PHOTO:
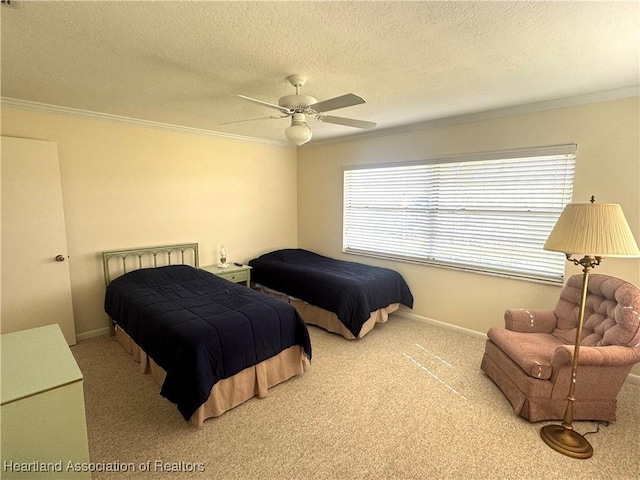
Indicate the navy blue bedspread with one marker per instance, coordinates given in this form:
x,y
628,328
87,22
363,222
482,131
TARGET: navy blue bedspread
x,y
200,328
350,290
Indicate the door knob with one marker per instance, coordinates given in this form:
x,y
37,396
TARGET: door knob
x,y
59,258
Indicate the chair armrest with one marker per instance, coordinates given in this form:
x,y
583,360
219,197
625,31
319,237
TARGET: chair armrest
x,y
611,355
530,321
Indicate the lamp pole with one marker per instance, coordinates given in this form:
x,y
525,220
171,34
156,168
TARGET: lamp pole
x,y
563,438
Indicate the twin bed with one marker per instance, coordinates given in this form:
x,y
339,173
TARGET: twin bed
x,y
346,298
213,344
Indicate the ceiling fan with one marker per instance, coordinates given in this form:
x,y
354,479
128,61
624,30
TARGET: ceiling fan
x,y
299,107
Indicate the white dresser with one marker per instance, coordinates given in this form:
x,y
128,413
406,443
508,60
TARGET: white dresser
x,y
43,424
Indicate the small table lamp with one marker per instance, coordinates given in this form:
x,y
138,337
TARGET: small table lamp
x,y
594,231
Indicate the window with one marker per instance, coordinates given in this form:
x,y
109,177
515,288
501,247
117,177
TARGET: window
x,y
490,212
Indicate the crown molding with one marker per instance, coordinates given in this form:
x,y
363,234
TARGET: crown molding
x,y
76,112
594,97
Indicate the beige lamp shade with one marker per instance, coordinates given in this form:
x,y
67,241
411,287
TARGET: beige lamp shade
x,y
594,229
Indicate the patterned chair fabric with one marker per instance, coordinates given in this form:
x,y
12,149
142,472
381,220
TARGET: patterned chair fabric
x,y
530,359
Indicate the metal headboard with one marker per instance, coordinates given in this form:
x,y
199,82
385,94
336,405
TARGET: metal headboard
x,y
119,262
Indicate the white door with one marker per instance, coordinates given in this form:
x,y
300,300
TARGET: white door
x,y
36,286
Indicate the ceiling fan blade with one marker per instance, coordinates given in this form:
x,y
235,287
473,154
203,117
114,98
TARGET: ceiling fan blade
x,y
342,101
266,104
349,122
253,119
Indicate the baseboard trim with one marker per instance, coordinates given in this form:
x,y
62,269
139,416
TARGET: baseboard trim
x,y
93,333
631,378
437,323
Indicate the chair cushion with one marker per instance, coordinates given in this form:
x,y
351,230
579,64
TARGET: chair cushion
x,y
612,312
531,351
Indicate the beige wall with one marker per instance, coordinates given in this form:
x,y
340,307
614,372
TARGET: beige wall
x,y
131,186
607,166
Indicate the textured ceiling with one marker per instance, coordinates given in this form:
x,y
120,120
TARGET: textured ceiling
x,y
180,62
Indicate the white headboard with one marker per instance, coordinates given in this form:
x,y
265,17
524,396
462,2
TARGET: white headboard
x,y
119,262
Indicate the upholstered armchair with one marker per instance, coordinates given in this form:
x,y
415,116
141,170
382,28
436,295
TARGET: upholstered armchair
x,y
530,359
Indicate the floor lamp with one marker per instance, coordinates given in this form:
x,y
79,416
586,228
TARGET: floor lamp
x,y
593,231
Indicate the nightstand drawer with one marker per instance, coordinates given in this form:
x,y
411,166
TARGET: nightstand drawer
x,y
236,277
233,273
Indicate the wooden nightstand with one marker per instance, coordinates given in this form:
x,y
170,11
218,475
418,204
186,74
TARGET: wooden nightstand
x,y
233,273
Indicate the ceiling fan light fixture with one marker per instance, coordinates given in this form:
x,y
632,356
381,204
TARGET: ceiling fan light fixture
x,y
299,107
299,132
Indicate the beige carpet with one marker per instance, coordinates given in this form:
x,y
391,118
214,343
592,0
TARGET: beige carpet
x,y
408,401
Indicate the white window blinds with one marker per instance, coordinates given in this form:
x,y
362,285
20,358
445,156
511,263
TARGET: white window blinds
x,y
490,212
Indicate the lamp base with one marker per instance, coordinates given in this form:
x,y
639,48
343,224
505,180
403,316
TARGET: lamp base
x,y
566,441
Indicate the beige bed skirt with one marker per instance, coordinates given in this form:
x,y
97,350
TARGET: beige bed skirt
x,y
229,392
320,317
